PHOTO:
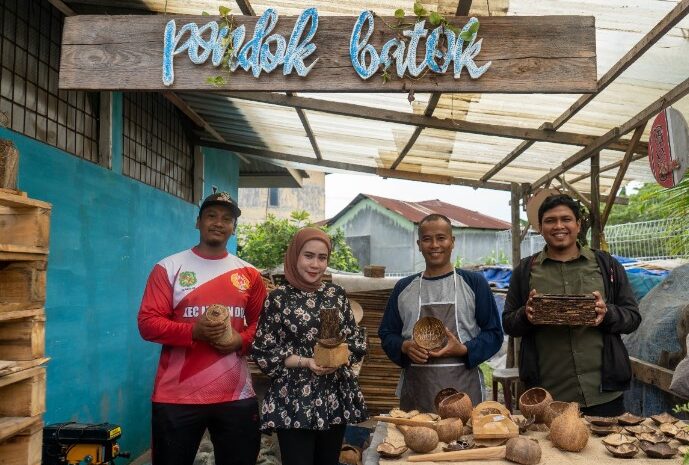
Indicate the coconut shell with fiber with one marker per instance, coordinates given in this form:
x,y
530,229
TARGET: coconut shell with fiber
x,y
523,450
568,432
443,393
429,333
533,403
554,410
456,406
449,429
421,439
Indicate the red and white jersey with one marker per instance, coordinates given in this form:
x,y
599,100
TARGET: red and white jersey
x,y
178,291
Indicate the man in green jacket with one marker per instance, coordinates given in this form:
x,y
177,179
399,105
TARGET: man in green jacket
x,y
585,364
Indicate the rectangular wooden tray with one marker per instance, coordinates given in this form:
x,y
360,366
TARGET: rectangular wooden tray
x,y
568,310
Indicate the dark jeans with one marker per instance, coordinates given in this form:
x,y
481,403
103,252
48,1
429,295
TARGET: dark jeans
x,y
609,409
311,447
177,430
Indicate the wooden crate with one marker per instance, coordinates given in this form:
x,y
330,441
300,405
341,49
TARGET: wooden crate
x,y
22,286
22,339
24,227
24,448
22,394
9,163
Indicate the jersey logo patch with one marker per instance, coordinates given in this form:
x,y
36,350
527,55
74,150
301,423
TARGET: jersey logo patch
x,y
187,278
240,282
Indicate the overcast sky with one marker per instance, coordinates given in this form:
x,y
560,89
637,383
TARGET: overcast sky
x,y
340,189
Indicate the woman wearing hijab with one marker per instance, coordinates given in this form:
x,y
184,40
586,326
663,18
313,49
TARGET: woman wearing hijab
x,y
308,405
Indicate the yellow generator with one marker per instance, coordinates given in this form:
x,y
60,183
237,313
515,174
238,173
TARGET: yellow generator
x,y
81,444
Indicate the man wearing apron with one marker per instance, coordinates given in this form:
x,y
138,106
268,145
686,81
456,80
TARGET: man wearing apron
x,y
462,300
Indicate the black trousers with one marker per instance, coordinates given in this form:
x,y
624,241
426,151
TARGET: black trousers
x,y
609,409
177,430
311,447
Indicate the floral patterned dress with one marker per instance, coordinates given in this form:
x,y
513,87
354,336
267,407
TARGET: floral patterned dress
x,y
297,398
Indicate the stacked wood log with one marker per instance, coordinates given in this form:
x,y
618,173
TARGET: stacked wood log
x,y
379,376
24,232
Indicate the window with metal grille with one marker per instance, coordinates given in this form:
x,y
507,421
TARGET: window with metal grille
x,y
30,103
157,149
274,197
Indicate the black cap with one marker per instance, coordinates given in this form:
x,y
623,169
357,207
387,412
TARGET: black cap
x,y
221,198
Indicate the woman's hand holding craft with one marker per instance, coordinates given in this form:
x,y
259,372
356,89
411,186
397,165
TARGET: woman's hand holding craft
x,y
317,369
415,353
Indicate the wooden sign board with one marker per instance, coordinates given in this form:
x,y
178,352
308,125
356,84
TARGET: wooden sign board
x,y
668,147
543,54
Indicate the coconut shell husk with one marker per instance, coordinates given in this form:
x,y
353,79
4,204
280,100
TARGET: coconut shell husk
x,y
522,450
664,418
568,432
421,439
605,430
623,451
442,394
601,421
390,451
449,429
219,313
554,410
639,429
661,450
533,403
524,423
628,419
617,439
463,443
682,436
456,406
654,438
398,413
669,429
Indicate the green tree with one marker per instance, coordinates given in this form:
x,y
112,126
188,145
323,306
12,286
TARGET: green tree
x,y
264,244
644,205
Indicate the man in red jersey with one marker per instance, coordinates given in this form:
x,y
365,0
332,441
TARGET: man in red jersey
x,y
201,384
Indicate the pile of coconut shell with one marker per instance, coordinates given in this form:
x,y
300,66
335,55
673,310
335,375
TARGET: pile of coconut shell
x,y
660,436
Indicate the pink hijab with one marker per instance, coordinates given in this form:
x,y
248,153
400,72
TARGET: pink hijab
x,y
303,236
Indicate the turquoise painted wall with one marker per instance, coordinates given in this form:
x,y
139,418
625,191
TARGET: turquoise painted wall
x,y
221,169
107,232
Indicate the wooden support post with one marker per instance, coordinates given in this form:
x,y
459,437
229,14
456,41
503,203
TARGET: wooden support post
x,y
105,131
516,236
198,175
621,172
595,202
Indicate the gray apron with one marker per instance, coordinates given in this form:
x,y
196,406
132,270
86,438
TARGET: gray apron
x,y
421,382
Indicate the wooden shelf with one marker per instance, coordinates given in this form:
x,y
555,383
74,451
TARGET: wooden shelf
x,y
11,199
18,314
9,426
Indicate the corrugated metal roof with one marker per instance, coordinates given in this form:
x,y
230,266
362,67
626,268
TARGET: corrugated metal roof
x,y
415,211
620,24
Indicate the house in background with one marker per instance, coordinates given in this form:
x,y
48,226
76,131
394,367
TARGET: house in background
x,y
282,199
383,231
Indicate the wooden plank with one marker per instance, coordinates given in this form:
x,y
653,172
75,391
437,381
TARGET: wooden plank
x,y
195,117
22,394
22,286
9,426
391,116
654,35
430,108
624,164
246,8
62,7
602,142
23,365
6,315
463,7
11,198
22,449
10,253
611,166
105,131
22,339
9,163
654,375
596,227
309,131
545,54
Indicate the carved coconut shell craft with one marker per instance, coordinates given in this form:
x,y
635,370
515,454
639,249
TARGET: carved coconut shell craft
x,y
398,413
664,418
624,451
661,450
568,432
524,423
443,393
533,403
601,421
421,439
627,419
449,429
429,333
639,429
617,439
389,451
329,335
463,443
605,430
456,406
